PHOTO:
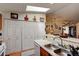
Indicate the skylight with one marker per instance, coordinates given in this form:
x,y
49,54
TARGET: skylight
x,y
36,9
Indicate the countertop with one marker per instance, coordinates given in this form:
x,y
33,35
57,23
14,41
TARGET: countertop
x,y
41,43
73,40
70,39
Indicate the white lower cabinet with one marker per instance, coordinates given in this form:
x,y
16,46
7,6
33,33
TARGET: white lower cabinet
x,y
37,49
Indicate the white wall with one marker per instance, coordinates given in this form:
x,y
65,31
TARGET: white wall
x,y
31,16
22,15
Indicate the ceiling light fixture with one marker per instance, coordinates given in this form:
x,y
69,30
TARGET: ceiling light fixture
x,y
36,9
51,3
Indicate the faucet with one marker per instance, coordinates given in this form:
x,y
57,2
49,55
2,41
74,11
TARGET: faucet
x,y
61,41
61,44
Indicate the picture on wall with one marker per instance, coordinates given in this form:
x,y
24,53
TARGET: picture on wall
x,y
14,15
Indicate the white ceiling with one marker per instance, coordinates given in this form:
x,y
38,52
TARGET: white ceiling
x,y
71,11
21,7
63,9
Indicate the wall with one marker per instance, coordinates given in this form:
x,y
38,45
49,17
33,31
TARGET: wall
x,y
31,16
51,19
77,29
60,21
22,15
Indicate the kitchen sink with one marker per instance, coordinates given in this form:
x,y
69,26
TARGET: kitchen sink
x,y
51,46
60,52
58,49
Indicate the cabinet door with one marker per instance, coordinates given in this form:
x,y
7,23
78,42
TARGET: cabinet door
x,y
18,35
30,32
12,36
41,30
43,52
27,35
5,34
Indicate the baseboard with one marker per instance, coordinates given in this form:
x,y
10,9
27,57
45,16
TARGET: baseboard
x,y
18,53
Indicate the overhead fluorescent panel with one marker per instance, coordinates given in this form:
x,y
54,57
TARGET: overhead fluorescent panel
x,y
36,9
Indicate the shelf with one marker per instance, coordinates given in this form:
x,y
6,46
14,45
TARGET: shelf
x,y
20,20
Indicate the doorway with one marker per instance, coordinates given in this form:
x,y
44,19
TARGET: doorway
x,y
72,31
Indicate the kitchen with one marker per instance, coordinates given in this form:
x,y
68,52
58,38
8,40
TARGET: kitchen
x,y
26,31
